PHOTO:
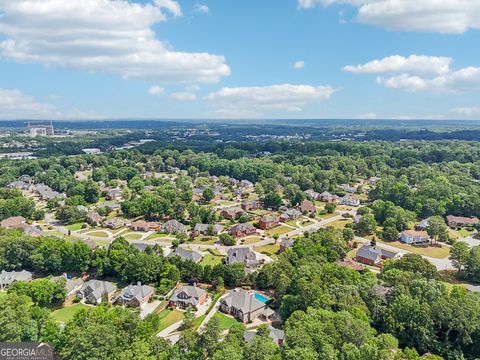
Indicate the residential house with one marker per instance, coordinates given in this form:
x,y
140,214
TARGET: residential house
x,y
7,278
329,198
276,335
205,229
173,227
188,296
93,218
290,214
111,205
249,205
373,255
349,189
93,291
268,222
240,193
311,194
19,185
46,193
71,285
422,225
136,295
350,200
286,244
243,255
246,184
232,213
246,306
460,221
113,194
114,223
414,237
241,230
140,225
186,254
351,264
307,207
14,222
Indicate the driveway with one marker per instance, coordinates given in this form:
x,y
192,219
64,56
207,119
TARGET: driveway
x,y
149,308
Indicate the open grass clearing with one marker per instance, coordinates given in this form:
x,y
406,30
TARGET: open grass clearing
x,y
339,224
251,240
75,227
169,317
431,251
205,240
225,322
267,249
98,234
280,230
132,236
66,314
211,260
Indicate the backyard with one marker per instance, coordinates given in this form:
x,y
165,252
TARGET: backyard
x,y
169,317
66,314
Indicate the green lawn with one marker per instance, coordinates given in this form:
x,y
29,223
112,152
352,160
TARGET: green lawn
x,y
225,322
211,260
268,249
463,232
280,230
327,216
292,223
206,240
132,236
157,236
197,322
169,317
98,234
75,227
251,240
66,314
432,251
339,224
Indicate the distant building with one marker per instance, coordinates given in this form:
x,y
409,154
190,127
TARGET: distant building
x,y
286,244
186,255
373,255
35,130
245,306
232,213
459,221
244,229
290,214
350,200
249,205
414,237
173,227
307,207
276,335
7,278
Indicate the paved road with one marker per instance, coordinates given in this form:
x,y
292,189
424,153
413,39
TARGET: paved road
x,y
167,331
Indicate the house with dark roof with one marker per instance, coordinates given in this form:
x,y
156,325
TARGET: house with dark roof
x,y
7,278
186,254
204,229
173,227
290,214
267,222
188,296
307,207
246,306
329,198
460,221
249,205
46,193
136,295
277,335
93,291
373,255
243,255
241,230
232,213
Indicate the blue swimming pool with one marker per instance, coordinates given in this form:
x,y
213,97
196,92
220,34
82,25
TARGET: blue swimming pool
x,y
261,298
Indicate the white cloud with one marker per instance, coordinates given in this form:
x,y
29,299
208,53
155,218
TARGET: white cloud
x,y
299,64
367,116
184,96
156,90
256,99
419,72
202,8
416,64
192,88
443,16
467,112
101,35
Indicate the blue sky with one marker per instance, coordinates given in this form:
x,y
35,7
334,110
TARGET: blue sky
x,y
88,59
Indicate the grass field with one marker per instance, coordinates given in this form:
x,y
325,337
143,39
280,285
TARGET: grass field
x,y
339,224
66,314
280,230
204,240
197,322
463,232
159,236
432,251
211,260
225,322
327,216
98,234
75,227
132,236
268,249
169,317
292,223
251,240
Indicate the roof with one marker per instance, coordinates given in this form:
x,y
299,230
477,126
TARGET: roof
x,y
13,221
243,300
172,226
193,293
287,243
202,228
233,211
373,252
186,254
70,284
351,264
307,205
8,277
269,218
243,255
140,224
244,227
276,335
98,288
462,219
422,234
138,292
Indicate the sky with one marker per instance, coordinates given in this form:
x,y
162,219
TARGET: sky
x,y
227,59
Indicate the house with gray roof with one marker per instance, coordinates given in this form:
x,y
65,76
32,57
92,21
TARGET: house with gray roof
x,y
93,291
136,295
9,277
286,244
276,335
188,296
290,214
245,306
373,255
71,285
202,229
186,254
46,192
173,227
243,255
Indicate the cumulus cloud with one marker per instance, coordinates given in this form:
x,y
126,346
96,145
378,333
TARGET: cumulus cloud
x,y
417,64
102,35
467,112
184,96
416,73
443,16
156,90
263,98
202,8
299,64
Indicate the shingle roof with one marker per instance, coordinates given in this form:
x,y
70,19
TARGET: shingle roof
x,y
193,293
243,300
186,254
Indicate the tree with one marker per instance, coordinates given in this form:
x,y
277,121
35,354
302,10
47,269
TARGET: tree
x,y
459,254
348,234
367,224
436,227
330,208
208,195
227,239
413,263
272,200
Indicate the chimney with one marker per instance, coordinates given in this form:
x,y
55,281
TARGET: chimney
x,y
139,283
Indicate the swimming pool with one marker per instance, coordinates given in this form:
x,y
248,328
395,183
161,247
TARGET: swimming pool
x,y
261,298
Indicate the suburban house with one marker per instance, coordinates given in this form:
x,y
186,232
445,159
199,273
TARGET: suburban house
x,y
349,200
232,213
9,277
311,194
114,223
46,193
173,227
246,306
414,237
114,194
188,296
276,335
286,244
19,185
94,290
186,254
14,222
240,230
136,295
268,222
349,189
243,255
71,285
460,221
290,214
351,264
140,225
249,205
93,218
373,180
422,225
372,255
205,229
329,198
307,207
246,184
111,205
